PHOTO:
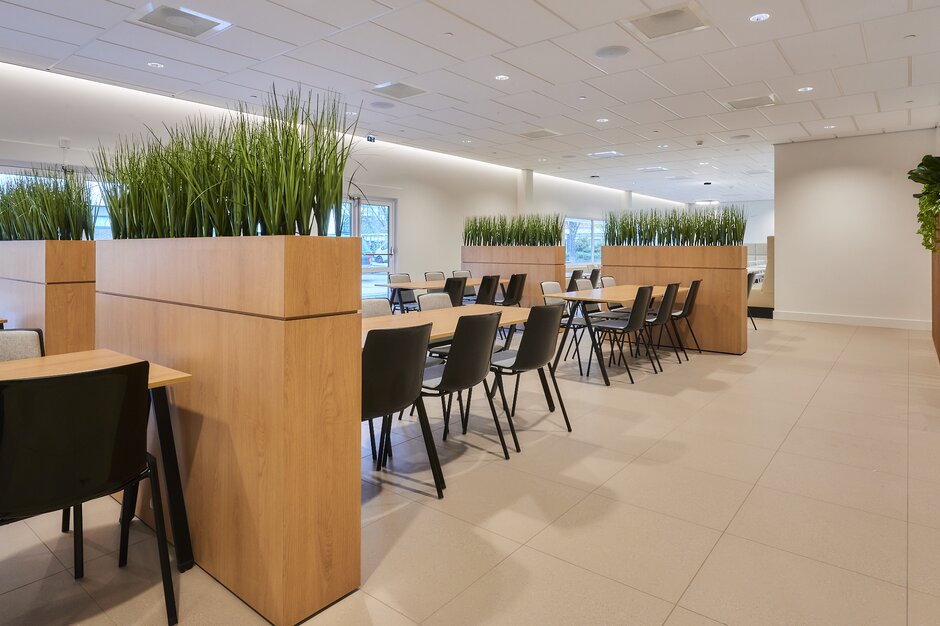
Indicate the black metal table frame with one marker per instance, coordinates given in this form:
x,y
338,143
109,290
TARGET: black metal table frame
x,y
579,305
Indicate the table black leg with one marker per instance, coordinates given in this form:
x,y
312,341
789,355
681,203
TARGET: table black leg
x,y
564,337
594,343
179,522
401,301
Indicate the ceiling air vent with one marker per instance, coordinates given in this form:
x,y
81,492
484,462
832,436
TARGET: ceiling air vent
x,y
541,133
753,103
672,21
757,172
606,154
399,91
653,168
182,22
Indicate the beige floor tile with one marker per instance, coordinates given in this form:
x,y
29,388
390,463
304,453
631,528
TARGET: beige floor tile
x,y
848,449
417,559
923,503
859,424
359,609
747,583
534,588
924,450
750,421
708,454
884,494
777,388
685,617
134,594
646,550
924,555
379,501
863,397
398,435
56,600
922,609
633,432
670,488
565,460
496,497
101,531
23,557
857,540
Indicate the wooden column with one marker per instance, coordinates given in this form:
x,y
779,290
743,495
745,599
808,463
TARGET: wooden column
x,y
720,318
268,431
50,285
539,263
936,302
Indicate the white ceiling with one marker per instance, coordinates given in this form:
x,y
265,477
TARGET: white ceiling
x,y
874,66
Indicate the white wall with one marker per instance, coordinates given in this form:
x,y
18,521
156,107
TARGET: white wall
x,y
760,219
643,202
572,198
846,246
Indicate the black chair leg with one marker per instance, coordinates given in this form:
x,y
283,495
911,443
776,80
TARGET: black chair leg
x,y
447,408
77,541
515,396
433,459
66,513
548,395
382,459
751,317
128,508
388,439
465,418
160,528
499,429
675,346
652,346
561,403
512,426
692,332
675,330
372,438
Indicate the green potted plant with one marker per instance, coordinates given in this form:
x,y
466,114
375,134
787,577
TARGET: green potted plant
x,y
928,200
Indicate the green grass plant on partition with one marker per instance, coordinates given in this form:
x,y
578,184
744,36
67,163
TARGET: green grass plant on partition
x,y
720,226
518,230
46,204
280,173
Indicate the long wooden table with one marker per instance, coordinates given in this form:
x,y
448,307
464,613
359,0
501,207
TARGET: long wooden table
x,y
159,379
444,321
623,294
398,288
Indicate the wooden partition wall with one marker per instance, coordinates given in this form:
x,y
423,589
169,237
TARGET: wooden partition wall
x,y
936,302
50,285
268,430
539,263
720,318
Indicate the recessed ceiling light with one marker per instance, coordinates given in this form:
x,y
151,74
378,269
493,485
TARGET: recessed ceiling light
x,y
448,34
582,97
663,145
704,163
760,17
500,77
910,36
602,120
543,160
155,65
829,127
740,137
805,89
611,52
352,113
467,141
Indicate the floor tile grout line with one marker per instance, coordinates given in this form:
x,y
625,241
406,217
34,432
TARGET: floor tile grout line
x,y
907,527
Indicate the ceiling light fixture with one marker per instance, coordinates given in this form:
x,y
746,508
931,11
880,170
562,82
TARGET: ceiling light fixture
x,y
805,89
467,141
912,36
500,77
760,17
704,163
155,65
829,127
352,113
582,97
706,202
602,120
611,52
663,145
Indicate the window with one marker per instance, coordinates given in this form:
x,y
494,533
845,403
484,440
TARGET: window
x,y
583,240
373,220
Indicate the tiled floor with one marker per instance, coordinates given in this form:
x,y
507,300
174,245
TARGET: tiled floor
x,y
798,484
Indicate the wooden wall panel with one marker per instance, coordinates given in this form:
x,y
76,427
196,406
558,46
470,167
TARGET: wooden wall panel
x,y
267,435
720,318
936,302
539,263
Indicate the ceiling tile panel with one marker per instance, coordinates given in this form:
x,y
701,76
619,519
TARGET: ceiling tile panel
x,y
689,45
444,31
459,118
568,126
485,70
890,37
740,92
170,46
50,49
891,120
787,113
835,126
654,131
736,120
593,119
925,117
428,125
820,84
498,113
925,69
873,76
787,17
596,12
783,132
686,76
692,105
339,14
644,112
550,63
450,84
123,75
825,50
264,82
135,59
534,103
265,18
249,43
695,125
579,95
587,43
289,68
45,25
909,97
832,13
381,43
858,104
632,86
339,59
519,22
100,13
750,64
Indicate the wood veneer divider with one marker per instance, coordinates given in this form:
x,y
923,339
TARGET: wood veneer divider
x,y
936,299
539,263
720,318
50,285
268,430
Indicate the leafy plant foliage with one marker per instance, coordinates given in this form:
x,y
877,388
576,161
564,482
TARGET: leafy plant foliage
x,y
928,200
518,230
689,227
278,174
46,204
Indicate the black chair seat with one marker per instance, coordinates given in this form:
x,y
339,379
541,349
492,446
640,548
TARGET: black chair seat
x,y
433,376
505,359
611,324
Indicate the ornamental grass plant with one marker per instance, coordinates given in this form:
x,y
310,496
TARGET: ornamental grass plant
x,y
722,226
46,204
518,230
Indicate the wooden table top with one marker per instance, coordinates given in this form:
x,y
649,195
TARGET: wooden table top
x,y
76,362
433,284
2,321
623,294
444,320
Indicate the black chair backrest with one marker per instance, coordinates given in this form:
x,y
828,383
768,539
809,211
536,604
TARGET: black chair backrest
x,y
537,347
69,439
583,284
689,304
638,312
515,290
486,294
595,277
468,361
393,362
454,287
751,278
665,305
573,281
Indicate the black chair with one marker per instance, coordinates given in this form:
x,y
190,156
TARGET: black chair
x,y
687,308
467,365
751,279
632,328
536,351
514,291
65,440
387,390
573,281
469,293
595,278
486,294
404,299
455,287
661,320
